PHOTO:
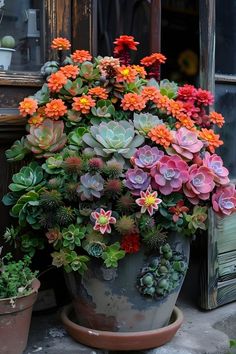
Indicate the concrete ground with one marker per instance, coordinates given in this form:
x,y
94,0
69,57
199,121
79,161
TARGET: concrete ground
x,y
198,334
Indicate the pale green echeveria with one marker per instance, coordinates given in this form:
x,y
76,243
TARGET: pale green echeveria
x,y
168,88
144,122
53,165
17,151
29,177
117,138
47,138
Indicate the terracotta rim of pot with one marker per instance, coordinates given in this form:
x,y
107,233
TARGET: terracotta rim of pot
x,y
122,340
21,302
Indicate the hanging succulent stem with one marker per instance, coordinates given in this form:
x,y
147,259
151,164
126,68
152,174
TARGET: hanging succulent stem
x,y
155,72
124,57
60,57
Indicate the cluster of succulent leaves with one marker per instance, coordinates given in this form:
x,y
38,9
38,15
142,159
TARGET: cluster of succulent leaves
x,y
163,274
15,277
55,194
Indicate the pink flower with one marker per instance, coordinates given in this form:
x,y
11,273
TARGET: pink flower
x,y
170,174
148,201
224,200
204,97
191,110
215,163
185,143
103,220
200,184
187,92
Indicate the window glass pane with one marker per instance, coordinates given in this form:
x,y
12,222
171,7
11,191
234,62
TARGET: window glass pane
x,y
21,35
226,104
225,37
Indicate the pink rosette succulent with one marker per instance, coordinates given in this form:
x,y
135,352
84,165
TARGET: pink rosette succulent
x,y
224,200
136,180
200,184
215,163
147,157
170,174
185,143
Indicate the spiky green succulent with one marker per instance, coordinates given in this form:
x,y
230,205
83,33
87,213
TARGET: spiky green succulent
x,y
126,203
47,138
154,237
144,122
50,199
113,138
125,224
65,215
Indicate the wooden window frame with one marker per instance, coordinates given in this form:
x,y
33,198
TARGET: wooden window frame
x,y
215,289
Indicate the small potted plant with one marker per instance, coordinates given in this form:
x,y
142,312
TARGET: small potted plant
x,y
122,173
18,292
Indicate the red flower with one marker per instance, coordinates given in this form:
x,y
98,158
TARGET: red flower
x,y
178,210
204,97
130,243
187,92
123,43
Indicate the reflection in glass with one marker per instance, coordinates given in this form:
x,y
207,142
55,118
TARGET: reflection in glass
x,y
21,22
225,37
226,104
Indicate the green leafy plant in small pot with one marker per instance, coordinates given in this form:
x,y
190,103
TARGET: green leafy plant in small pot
x,y
18,292
122,171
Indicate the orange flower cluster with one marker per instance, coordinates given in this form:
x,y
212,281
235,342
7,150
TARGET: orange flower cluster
x,y
126,74
28,106
99,92
132,101
185,121
174,108
140,70
83,104
213,140
155,58
79,56
60,44
55,109
161,102
70,71
36,120
56,81
150,93
217,118
125,42
161,135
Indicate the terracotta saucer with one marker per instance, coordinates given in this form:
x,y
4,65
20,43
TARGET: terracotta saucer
x,y
122,340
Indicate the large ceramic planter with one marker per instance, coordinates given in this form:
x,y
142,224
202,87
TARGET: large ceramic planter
x,y
114,300
15,317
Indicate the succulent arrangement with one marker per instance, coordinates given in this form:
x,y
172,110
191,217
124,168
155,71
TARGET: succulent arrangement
x,y
118,159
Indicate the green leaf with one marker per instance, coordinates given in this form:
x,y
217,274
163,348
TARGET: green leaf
x,y
112,255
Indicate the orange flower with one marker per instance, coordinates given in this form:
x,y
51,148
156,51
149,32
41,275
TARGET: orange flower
x,y
60,44
150,93
155,58
124,42
174,108
36,120
99,92
213,140
83,104
70,71
185,121
55,109
28,106
217,119
132,101
161,102
140,70
56,81
161,135
79,56
126,73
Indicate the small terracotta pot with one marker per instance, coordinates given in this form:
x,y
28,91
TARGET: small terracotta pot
x,y
122,340
15,321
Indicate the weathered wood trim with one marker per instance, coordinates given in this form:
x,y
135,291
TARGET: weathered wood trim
x,y
7,119
20,79
220,78
155,32
207,44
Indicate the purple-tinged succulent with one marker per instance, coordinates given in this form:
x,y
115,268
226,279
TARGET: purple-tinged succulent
x,y
147,157
215,163
199,185
169,174
137,180
91,186
185,143
224,200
